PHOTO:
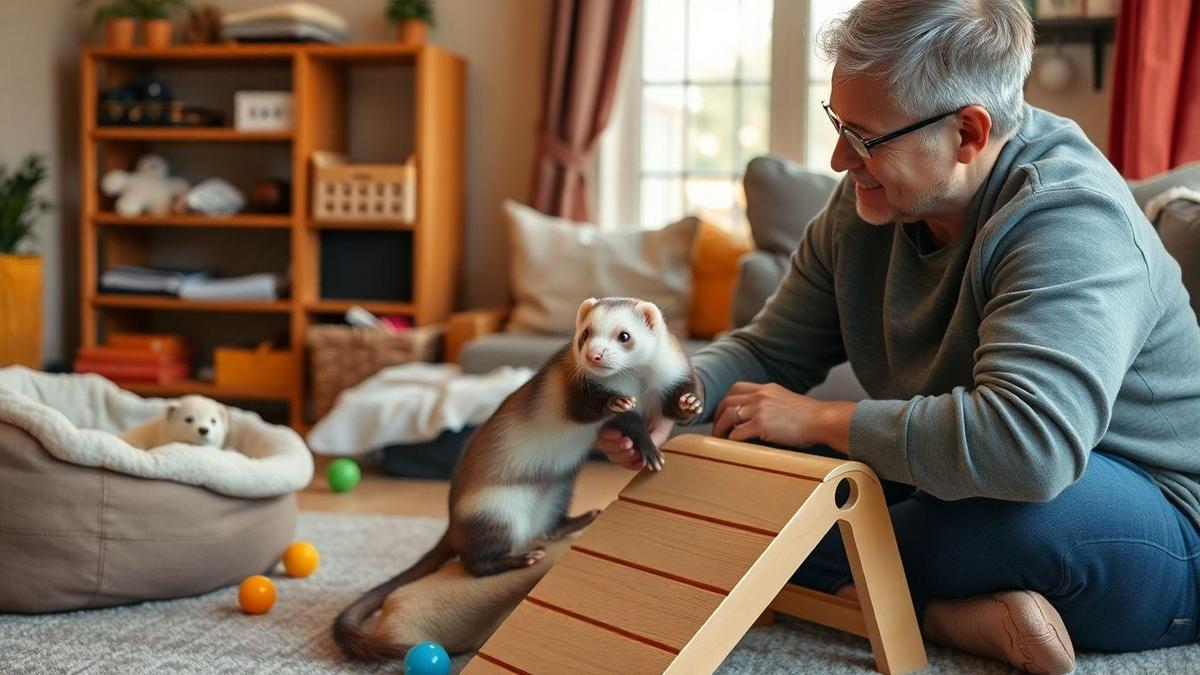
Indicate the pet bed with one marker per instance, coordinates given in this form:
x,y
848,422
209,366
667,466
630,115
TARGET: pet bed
x,y
88,521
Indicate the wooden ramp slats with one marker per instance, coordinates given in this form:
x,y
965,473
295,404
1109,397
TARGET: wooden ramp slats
x,y
753,498
481,666
637,602
535,639
672,574
713,556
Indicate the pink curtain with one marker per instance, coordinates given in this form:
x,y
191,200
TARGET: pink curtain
x,y
1155,122
583,59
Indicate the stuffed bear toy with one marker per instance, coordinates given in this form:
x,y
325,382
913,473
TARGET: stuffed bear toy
x,y
192,419
148,189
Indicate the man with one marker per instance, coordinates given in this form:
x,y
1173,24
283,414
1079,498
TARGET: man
x,y
1027,343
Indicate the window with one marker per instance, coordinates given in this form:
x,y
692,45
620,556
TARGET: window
x,y
704,89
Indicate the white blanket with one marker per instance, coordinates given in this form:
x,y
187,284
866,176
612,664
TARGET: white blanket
x,y
411,403
75,417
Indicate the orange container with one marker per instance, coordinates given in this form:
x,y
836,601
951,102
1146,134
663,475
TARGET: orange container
x,y
261,369
21,310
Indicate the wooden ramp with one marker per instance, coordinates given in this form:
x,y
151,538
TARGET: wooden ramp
x,y
672,574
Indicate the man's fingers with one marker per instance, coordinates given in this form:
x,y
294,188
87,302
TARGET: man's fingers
x,y
744,432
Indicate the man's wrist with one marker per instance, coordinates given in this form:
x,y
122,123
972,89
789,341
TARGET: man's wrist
x,y
833,427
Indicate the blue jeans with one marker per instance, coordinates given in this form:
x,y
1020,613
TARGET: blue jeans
x,y
1119,562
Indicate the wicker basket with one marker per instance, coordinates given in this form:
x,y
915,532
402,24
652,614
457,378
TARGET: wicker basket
x,y
342,356
367,193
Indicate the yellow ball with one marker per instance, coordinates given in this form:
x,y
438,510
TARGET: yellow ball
x,y
257,595
301,559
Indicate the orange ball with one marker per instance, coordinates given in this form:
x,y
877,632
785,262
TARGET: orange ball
x,y
257,595
301,559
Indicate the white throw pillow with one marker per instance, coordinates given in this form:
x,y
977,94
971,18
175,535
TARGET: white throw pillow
x,y
558,263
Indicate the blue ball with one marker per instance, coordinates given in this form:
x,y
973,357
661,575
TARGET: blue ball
x,y
427,658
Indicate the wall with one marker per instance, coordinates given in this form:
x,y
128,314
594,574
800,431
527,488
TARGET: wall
x,y
1080,102
502,42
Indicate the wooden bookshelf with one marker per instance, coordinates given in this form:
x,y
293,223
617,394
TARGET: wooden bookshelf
x,y
323,81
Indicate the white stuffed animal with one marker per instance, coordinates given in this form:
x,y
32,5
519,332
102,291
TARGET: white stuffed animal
x,y
192,419
148,189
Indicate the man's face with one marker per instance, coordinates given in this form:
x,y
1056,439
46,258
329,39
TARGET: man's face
x,y
906,179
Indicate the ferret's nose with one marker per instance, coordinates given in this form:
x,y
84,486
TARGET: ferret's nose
x,y
596,357
203,431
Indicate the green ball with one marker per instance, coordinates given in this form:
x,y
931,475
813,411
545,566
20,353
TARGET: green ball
x,y
343,474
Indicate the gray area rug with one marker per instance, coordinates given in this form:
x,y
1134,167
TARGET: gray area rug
x,y
209,634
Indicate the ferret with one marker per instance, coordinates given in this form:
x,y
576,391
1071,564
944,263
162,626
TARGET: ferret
x,y
191,419
514,481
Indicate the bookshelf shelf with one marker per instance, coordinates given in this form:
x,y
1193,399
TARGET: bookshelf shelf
x,y
240,220
209,389
189,135
157,302
333,86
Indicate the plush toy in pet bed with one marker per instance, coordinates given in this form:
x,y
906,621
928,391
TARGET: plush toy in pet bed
x,y
87,520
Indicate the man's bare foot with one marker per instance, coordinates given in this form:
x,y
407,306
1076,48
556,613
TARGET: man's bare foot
x,y
1020,628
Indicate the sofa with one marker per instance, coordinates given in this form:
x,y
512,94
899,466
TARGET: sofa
x,y
781,199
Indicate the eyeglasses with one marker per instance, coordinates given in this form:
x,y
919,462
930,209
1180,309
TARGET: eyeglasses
x,y
863,145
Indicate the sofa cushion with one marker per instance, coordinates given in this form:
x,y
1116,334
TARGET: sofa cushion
x,y
714,278
781,197
1184,175
558,263
486,353
1178,226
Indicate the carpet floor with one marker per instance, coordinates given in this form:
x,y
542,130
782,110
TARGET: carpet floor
x,y
209,634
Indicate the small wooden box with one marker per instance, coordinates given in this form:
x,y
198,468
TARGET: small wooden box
x,y
261,369
367,193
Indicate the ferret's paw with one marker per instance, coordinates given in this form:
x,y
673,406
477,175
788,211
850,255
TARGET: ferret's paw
x,y
690,405
654,460
621,403
533,557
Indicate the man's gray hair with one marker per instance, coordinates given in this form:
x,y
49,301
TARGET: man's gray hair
x,y
939,55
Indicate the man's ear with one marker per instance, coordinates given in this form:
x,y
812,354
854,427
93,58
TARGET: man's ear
x,y
974,132
171,408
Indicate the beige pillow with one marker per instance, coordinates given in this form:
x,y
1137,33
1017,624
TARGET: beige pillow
x,y
558,263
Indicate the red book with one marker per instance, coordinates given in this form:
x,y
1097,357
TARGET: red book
x,y
106,354
134,372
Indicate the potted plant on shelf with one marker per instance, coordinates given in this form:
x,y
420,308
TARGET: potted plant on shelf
x,y
155,25
20,275
118,18
411,18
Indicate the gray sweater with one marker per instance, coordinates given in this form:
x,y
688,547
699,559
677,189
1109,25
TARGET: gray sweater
x,y
1056,325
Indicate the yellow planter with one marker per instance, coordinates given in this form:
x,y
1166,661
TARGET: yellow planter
x,y
21,310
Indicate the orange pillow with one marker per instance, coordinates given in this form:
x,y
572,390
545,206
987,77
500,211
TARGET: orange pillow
x,y
715,257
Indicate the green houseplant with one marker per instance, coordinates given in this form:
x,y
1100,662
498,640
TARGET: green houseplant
x,y
20,275
119,20
411,18
156,26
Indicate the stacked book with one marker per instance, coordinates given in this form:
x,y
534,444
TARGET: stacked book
x,y
285,22
190,284
131,357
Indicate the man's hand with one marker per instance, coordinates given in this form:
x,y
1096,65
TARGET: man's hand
x,y
619,448
773,414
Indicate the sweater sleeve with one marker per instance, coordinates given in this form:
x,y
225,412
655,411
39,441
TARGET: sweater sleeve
x,y
795,339
1067,306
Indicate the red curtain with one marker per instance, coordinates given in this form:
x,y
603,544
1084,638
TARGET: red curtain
x,y
1155,121
583,59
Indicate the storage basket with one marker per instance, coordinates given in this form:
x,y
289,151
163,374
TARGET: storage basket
x,y
342,356
368,193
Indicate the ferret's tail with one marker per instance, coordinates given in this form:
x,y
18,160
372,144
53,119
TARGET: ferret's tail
x,y
348,631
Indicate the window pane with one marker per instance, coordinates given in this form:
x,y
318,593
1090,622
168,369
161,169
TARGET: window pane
x,y
662,127
662,40
710,128
662,202
712,199
712,39
755,132
820,13
820,137
756,39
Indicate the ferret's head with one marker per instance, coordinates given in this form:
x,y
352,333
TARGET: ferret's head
x,y
197,420
616,334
